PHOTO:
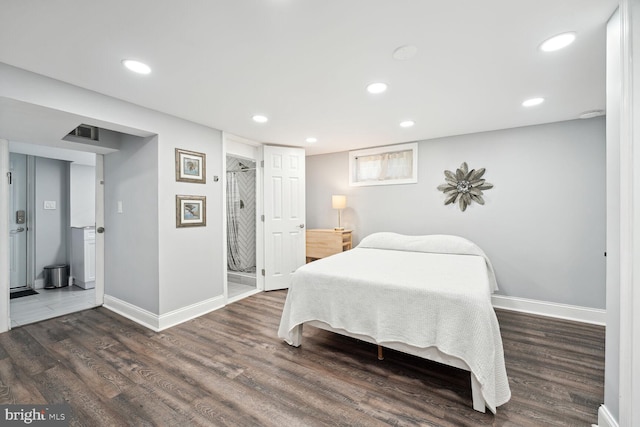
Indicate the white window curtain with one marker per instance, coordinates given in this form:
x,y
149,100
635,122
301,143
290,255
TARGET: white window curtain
x,y
385,166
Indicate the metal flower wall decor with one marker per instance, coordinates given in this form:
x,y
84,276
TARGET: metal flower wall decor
x,y
464,186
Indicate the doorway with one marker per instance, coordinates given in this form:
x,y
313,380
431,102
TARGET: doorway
x,y
241,208
243,255
49,198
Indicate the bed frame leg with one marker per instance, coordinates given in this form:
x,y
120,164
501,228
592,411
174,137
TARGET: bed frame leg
x,y
380,353
476,395
296,339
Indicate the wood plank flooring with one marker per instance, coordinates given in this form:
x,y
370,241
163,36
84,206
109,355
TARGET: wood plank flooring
x,y
228,368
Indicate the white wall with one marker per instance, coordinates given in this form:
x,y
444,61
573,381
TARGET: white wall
x,y
189,259
82,195
52,225
543,225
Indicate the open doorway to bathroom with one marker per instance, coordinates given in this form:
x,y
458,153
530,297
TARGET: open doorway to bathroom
x,y
241,205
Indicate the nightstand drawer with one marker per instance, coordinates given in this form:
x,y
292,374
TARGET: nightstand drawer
x,y
323,243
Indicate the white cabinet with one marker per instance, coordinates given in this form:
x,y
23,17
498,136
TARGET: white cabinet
x,y
83,256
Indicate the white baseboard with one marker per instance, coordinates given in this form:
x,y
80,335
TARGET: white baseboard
x,y
132,312
38,284
605,419
192,311
550,309
156,322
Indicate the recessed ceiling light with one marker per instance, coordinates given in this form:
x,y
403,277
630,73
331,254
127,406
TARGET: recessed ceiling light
x,y
558,42
377,87
136,66
532,102
407,123
258,118
591,113
311,140
405,52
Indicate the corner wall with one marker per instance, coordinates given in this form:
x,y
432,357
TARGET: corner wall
x,y
543,224
131,237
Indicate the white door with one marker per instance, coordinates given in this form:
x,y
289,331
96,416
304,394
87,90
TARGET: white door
x,y
18,221
284,211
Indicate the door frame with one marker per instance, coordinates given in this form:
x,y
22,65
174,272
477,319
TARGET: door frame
x,y
4,236
100,266
31,225
237,146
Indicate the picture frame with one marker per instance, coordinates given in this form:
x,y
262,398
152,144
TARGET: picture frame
x,y
191,166
191,211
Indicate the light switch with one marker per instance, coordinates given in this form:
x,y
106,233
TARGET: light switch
x,y
49,204
119,206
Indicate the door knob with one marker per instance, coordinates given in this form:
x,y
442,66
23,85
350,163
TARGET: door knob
x,y
100,230
301,226
17,230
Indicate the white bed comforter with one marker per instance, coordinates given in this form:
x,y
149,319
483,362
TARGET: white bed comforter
x,y
396,288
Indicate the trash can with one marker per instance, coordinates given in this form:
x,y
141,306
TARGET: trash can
x,y
56,276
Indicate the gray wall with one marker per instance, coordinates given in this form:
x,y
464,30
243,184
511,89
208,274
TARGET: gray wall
x,y
131,237
82,195
543,225
51,184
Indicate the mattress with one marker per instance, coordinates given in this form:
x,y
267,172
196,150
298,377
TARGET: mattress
x,y
418,297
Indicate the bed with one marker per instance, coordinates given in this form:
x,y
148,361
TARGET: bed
x,y
429,296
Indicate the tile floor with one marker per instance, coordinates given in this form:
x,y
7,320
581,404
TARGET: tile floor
x,y
50,303
236,291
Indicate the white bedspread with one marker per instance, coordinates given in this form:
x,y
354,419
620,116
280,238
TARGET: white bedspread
x,y
418,298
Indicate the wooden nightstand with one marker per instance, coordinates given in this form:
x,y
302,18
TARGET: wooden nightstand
x,y
322,243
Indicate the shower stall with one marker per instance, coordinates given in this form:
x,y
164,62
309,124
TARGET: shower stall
x,y
241,226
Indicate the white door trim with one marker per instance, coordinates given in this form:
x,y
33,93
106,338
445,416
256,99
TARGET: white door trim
x,y
31,221
4,237
629,357
99,288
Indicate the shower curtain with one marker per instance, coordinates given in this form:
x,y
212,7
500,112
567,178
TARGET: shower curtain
x,y
234,262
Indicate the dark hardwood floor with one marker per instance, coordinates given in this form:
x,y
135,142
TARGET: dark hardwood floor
x,y
229,368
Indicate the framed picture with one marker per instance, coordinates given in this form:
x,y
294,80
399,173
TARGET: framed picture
x,y
191,211
191,166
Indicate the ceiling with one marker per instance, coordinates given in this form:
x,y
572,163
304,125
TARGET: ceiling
x,y
305,64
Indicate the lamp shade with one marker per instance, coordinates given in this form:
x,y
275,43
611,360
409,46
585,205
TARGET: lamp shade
x,y
338,202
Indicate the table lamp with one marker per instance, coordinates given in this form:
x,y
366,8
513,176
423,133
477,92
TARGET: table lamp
x,y
339,202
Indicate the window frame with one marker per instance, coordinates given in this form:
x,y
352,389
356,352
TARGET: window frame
x,y
353,155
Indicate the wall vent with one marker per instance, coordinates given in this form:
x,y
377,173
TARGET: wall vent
x,y
86,131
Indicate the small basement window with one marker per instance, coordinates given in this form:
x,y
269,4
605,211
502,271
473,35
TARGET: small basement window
x,y
389,165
